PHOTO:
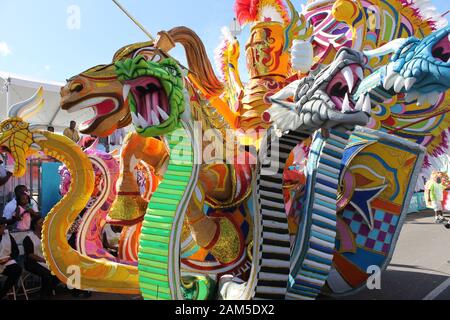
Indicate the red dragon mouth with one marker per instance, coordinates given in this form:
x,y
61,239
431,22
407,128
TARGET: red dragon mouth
x,y
441,51
101,106
343,86
152,103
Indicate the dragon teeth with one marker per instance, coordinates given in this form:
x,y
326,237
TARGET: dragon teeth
x,y
346,104
126,91
162,113
142,122
155,118
134,118
409,83
399,84
359,72
391,77
367,106
360,103
138,120
348,75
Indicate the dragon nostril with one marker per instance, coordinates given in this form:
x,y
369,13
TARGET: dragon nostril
x,y
438,53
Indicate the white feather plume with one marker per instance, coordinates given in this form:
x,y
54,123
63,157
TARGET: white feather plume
x,y
429,12
226,38
272,13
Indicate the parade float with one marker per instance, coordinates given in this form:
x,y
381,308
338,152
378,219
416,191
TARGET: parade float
x,y
287,186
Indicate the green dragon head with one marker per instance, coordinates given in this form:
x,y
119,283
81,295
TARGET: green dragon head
x,y
155,94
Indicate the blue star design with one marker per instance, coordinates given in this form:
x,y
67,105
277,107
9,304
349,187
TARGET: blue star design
x,y
361,201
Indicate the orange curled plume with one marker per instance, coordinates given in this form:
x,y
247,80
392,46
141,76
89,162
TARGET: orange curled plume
x,y
248,11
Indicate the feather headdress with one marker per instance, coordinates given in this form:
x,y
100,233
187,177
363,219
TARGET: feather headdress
x,y
249,11
425,10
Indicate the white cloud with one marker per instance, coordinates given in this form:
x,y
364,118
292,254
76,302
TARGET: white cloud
x,y
5,50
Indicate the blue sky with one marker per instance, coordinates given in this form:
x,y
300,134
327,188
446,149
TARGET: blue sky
x,y
36,40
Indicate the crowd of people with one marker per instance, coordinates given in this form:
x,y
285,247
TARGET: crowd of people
x,y
21,215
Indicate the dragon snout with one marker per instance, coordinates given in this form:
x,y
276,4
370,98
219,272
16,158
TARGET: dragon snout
x,y
351,55
73,88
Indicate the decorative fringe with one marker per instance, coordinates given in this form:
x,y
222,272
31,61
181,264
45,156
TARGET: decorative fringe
x,y
443,146
426,162
432,161
220,55
426,11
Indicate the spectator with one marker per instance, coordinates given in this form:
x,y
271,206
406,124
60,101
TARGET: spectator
x,y
12,207
4,174
436,196
8,255
51,129
72,132
111,238
34,259
24,213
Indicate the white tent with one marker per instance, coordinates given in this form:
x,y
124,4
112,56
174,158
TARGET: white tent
x,y
16,88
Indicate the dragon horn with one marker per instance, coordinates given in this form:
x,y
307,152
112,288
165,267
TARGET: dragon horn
x,y
388,48
297,24
28,107
27,114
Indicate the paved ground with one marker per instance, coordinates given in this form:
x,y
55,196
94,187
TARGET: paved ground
x,y
419,268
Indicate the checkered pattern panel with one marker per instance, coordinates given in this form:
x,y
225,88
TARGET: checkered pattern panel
x,y
380,238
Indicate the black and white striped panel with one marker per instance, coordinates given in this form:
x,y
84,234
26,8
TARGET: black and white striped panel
x,y
313,252
275,248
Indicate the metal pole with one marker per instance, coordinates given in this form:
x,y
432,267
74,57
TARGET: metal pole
x,y
134,20
147,33
8,81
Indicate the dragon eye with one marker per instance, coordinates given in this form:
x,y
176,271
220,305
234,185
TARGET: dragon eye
x,y
156,58
7,127
172,71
